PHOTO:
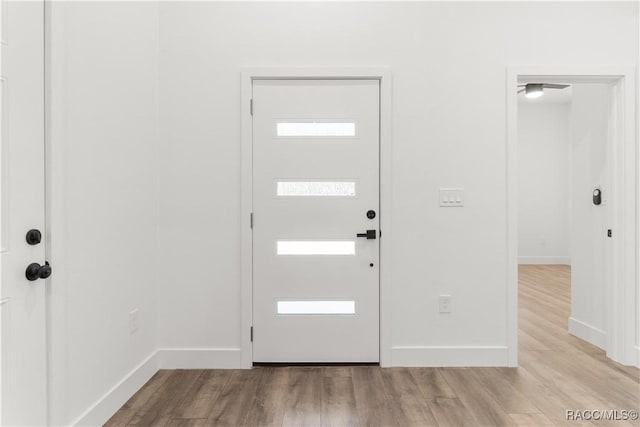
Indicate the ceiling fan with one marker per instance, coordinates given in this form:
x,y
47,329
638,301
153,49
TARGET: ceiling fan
x,y
535,90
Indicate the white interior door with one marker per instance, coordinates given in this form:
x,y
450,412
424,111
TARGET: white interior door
x,y
22,322
315,187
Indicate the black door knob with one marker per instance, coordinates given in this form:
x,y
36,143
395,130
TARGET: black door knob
x,y
36,271
34,237
45,270
33,271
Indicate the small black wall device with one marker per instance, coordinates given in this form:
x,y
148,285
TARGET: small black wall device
x,y
597,197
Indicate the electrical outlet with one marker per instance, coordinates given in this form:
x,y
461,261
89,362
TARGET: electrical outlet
x,y
133,321
445,303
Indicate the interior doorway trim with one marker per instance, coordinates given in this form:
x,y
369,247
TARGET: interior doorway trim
x,y
622,299
248,75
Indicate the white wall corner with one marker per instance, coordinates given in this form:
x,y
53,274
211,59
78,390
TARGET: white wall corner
x,y
200,358
589,333
533,260
104,408
164,358
437,356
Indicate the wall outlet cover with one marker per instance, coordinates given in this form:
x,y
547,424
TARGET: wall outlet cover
x,y
133,321
445,303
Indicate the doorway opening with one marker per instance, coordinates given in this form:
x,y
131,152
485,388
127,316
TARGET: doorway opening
x,y
572,168
564,216
315,183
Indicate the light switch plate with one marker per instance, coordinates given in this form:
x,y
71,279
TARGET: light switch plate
x,y
451,197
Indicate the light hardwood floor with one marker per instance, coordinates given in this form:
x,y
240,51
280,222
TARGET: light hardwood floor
x,y
557,372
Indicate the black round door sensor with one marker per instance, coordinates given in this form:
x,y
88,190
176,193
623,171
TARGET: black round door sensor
x,y
371,214
597,197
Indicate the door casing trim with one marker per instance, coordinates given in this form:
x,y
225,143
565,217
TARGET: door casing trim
x,y
248,75
622,298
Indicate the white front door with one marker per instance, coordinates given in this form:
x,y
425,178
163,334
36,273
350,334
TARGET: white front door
x,y
315,188
23,397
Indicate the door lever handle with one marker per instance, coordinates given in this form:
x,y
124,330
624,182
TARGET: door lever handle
x,y
370,234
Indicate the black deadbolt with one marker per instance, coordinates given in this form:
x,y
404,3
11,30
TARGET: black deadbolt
x,y
34,236
36,271
371,214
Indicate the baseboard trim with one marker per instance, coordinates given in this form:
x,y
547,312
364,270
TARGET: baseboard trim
x,y
100,412
561,260
436,356
199,358
588,333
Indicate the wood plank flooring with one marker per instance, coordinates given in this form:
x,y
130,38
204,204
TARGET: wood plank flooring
x,y
557,372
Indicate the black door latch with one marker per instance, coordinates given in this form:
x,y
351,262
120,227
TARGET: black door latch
x,y
370,234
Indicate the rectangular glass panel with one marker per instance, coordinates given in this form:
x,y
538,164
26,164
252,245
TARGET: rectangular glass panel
x,y
316,307
315,128
316,247
316,188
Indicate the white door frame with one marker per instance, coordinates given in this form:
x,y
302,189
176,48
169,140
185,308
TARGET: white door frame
x,y
622,298
248,75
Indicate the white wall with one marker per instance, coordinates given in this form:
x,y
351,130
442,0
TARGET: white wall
x,y
104,77
128,82
543,185
589,242
448,62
